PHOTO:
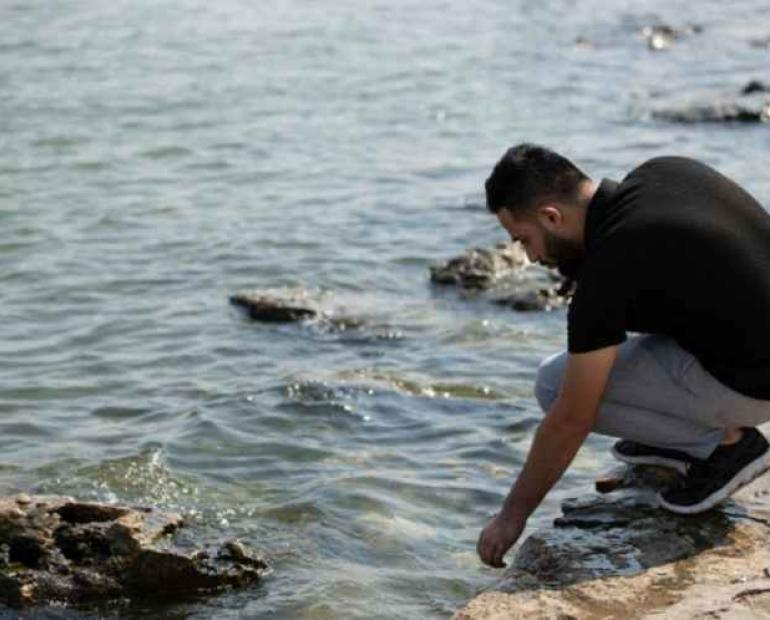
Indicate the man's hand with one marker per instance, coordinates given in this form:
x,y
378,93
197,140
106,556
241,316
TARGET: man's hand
x,y
497,537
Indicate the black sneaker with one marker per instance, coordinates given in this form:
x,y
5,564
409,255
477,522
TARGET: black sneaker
x,y
711,481
639,454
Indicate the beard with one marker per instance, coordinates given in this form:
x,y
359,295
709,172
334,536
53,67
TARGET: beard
x,y
566,255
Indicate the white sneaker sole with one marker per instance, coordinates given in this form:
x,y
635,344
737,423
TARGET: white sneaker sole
x,y
680,466
748,474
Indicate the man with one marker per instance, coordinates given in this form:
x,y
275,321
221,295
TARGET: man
x,y
680,255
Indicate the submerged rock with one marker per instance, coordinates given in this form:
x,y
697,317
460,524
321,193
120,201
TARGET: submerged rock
x,y
619,556
59,549
717,113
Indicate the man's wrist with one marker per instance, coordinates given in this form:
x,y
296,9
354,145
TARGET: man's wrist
x,y
513,512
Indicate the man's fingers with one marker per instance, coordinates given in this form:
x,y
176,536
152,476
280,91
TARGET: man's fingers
x,y
487,554
490,548
497,558
492,555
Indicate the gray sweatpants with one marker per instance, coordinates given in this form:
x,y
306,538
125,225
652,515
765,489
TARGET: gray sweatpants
x,y
659,394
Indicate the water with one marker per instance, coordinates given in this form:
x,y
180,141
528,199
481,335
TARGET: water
x,y
157,156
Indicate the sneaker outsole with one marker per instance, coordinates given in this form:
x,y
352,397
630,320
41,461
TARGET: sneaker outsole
x,y
662,461
748,474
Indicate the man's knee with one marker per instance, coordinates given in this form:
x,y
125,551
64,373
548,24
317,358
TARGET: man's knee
x,y
549,378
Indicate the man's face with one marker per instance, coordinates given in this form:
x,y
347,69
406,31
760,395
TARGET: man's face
x,y
543,246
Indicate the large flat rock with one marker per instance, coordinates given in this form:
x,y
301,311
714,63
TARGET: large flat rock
x,y
619,556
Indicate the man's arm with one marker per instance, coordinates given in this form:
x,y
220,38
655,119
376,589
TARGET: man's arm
x,y
557,440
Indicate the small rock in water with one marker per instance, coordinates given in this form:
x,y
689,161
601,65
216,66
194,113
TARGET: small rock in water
x,y
480,268
533,300
755,86
274,307
716,113
505,270
584,43
268,308
662,36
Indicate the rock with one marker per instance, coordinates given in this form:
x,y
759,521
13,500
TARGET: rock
x,y
480,268
761,42
662,36
717,113
290,307
624,477
507,274
755,86
63,550
532,300
619,556
584,43
263,307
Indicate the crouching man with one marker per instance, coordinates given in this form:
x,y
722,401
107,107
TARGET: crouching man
x,y
679,255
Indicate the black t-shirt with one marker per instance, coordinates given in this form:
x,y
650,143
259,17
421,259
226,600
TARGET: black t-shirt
x,y
679,249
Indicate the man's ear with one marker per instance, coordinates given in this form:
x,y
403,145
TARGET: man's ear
x,y
550,217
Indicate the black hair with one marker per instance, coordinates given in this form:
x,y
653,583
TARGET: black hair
x,y
527,175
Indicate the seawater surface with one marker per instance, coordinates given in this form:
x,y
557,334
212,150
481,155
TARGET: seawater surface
x,y
156,156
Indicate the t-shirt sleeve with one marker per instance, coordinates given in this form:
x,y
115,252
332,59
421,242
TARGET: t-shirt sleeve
x,y
597,312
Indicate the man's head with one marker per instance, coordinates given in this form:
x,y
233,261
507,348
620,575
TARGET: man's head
x,y
540,199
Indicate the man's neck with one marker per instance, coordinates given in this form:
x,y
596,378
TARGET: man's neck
x,y
586,192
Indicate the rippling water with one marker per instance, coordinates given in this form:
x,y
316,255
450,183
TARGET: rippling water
x,y
156,156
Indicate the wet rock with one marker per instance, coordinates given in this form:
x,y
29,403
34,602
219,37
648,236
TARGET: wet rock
x,y
728,112
620,556
662,36
262,307
533,300
290,307
755,86
480,268
506,274
761,42
59,549
623,477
